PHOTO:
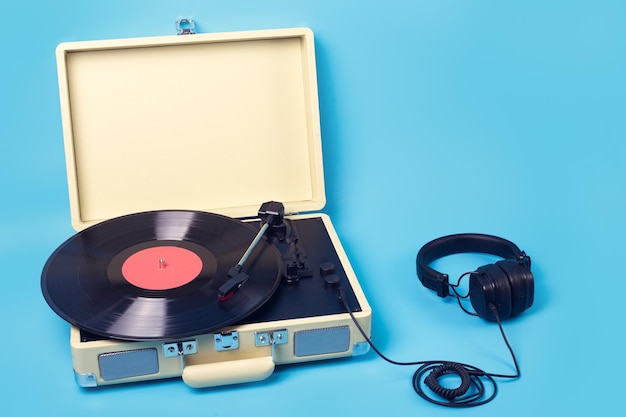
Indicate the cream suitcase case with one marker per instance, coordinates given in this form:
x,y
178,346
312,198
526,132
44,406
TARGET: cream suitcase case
x,y
216,123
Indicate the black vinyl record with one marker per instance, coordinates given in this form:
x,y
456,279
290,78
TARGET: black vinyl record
x,y
155,275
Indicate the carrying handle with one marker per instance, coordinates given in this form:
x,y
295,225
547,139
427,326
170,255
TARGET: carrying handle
x,y
228,372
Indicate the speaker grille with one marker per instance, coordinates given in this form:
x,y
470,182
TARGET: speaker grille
x,y
322,341
129,363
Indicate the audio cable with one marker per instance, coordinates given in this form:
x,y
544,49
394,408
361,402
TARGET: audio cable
x,y
473,388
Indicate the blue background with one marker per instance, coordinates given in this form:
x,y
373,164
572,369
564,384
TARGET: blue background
x,y
438,117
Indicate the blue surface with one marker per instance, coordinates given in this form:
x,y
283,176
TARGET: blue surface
x,y
438,117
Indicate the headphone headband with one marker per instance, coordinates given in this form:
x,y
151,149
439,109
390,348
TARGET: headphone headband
x,y
462,243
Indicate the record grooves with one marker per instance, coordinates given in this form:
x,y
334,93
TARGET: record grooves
x,y
155,275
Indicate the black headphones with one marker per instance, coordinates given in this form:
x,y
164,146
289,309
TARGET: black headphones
x,y
508,284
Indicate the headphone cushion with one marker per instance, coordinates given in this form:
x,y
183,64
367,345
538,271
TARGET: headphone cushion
x,y
522,285
490,285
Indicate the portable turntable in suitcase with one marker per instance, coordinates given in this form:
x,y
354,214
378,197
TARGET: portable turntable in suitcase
x,y
164,138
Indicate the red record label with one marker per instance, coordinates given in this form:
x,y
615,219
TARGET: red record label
x,y
161,267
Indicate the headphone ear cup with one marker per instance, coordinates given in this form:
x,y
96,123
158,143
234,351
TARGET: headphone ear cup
x,y
522,285
489,285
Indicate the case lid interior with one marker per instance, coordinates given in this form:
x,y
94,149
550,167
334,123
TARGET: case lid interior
x,y
211,122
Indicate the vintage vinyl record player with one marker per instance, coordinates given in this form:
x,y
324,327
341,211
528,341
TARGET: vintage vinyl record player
x,y
186,154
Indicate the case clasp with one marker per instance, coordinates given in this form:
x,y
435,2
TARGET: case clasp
x,y
185,27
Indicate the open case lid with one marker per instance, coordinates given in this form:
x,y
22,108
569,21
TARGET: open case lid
x,y
210,122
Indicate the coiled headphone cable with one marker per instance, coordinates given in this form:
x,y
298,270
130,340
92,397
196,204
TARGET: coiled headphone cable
x,y
470,393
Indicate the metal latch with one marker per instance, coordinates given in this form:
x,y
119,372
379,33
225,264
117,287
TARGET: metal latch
x,y
226,341
275,337
185,27
180,349
188,347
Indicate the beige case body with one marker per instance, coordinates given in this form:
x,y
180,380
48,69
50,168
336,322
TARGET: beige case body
x,y
209,122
